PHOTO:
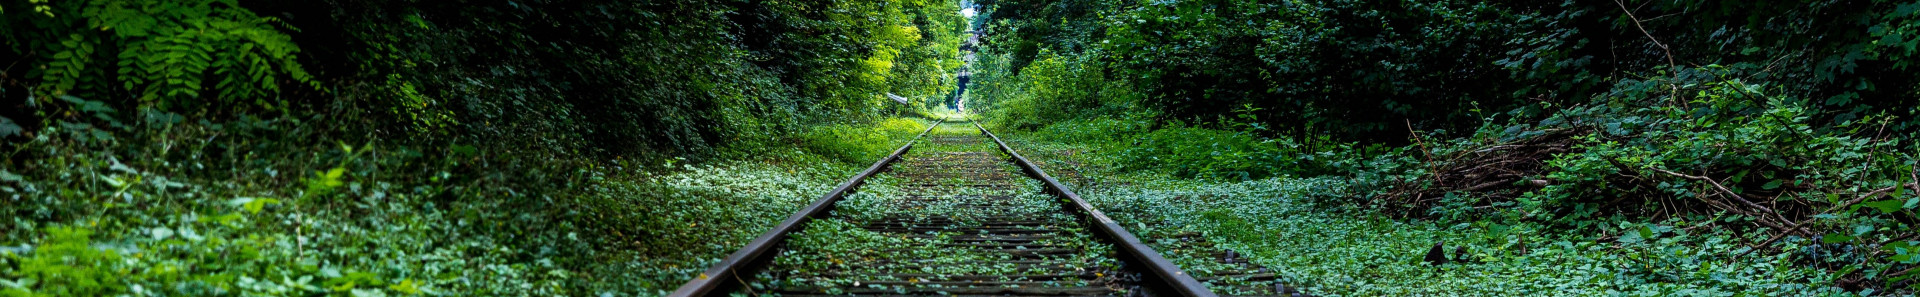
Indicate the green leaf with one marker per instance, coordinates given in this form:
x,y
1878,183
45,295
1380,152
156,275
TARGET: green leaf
x,y
1899,247
1835,238
161,233
257,205
406,286
1886,206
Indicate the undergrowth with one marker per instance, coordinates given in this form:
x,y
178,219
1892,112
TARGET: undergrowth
x,y
257,207
862,143
1299,228
675,225
1348,253
1732,194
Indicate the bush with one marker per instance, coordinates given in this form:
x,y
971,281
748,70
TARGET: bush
x,y
64,265
1688,153
1740,156
1209,153
1201,152
860,144
1095,130
900,128
1050,90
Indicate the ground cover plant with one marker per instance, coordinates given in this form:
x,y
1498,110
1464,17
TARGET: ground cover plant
x,y
1586,130
366,220
1524,202
613,148
1300,230
530,148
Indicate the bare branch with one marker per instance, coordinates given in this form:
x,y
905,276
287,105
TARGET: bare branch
x,y
1851,202
1723,188
1643,30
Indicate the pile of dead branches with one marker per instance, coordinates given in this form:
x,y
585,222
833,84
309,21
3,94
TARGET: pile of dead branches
x,y
1492,173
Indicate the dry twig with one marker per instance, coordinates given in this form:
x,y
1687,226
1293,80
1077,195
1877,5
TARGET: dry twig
x,y
1802,223
1723,188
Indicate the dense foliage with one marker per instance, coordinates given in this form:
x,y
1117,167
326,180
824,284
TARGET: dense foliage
x,y
368,148
647,80
1367,70
1781,131
593,147
161,54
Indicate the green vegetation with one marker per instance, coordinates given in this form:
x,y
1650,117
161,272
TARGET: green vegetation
x,y
678,224
1635,148
374,148
160,53
859,144
1365,70
949,215
594,147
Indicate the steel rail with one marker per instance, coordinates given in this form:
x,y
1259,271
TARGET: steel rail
x,y
1171,279
726,275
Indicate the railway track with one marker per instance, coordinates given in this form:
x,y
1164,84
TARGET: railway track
x,y
957,212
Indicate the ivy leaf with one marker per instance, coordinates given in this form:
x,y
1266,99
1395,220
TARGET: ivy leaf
x,y
189,234
162,233
1835,238
8,128
1907,258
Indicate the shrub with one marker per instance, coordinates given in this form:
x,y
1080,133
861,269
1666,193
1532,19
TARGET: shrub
x,y
860,144
1050,90
1203,153
66,264
1748,158
1691,153
900,128
1211,153
1096,130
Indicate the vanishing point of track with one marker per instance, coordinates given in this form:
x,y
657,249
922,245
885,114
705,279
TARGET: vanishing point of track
x,y
954,212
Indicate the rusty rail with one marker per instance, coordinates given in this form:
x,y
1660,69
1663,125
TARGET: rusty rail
x,y
1170,278
727,275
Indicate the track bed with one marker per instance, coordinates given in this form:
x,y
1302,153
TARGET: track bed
x,y
959,214
952,217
